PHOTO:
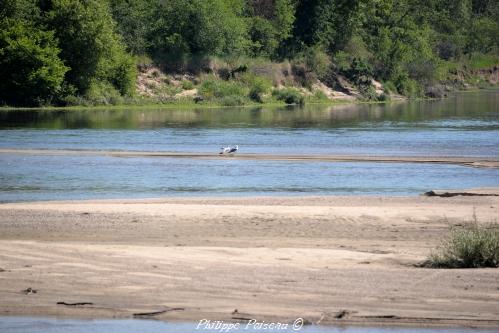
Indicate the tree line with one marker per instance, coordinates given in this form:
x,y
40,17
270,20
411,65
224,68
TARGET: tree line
x,y
55,51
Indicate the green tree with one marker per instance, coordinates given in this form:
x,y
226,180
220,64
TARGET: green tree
x,y
200,27
325,22
31,71
271,23
90,46
398,37
133,20
483,35
27,10
264,37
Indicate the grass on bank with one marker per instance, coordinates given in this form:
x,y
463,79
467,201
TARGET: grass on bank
x,y
468,246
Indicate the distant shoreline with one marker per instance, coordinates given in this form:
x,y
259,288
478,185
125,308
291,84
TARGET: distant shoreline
x,y
213,105
193,105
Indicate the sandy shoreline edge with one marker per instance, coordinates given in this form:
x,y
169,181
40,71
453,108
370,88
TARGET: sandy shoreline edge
x,y
271,258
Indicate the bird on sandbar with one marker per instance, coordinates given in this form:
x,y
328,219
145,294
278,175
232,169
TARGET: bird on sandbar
x,y
224,150
229,150
233,149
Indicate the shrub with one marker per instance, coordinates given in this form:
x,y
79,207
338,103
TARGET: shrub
x,y
359,72
233,100
289,96
390,87
384,97
317,61
342,61
310,65
423,71
224,73
187,85
407,86
303,76
320,96
258,86
103,93
368,92
471,246
213,89
144,62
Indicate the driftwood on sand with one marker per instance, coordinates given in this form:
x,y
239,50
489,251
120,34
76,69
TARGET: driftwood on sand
x,y
155,313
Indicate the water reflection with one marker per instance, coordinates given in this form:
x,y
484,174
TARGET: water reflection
x,y
483,105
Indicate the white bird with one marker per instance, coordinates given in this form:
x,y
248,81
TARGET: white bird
x,y
233,149
225,150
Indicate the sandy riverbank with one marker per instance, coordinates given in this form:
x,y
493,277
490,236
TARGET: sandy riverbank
x,y
270,258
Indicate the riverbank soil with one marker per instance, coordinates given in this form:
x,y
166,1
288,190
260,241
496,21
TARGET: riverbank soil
x,y
329,260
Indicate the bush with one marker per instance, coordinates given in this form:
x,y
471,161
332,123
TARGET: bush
x,y
217,89
360,72
320,96
187,85
471,246
407,87
384,97
144,62
258,86
342,61
423,71
317,61
232,100
368,92
390,87
103,93
303,76
289,96
224,73
310,65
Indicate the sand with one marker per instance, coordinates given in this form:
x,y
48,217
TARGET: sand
x,y
471,161
270,258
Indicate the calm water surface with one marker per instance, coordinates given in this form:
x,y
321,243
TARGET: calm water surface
x,y
47,325
466,124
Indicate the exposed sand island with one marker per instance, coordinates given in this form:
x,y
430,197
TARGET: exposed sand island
x,y
328,259
471,161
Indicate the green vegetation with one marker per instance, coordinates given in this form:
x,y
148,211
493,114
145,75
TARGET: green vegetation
x,y
470,246
94,52
288,96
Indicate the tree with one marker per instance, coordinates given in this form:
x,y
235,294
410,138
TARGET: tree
x,y
325,22
197,27
271,23
264,37
133,22
31,71
27,10
90,46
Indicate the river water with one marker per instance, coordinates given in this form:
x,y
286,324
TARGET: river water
x,y
466,124
50,325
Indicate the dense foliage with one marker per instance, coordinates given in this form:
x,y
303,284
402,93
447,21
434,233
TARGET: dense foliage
x,y
67,51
